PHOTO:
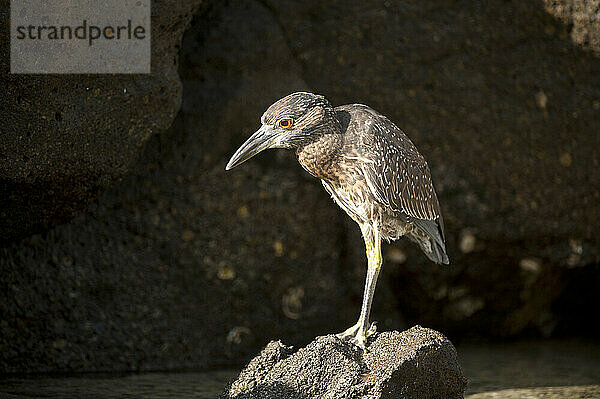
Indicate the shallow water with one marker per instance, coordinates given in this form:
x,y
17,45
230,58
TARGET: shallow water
x,y
530,364
154,385
532,370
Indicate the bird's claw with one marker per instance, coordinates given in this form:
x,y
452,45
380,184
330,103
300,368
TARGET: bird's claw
x,y
372,329
360,341
357,334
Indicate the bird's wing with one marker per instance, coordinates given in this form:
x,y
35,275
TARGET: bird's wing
x,y
398,176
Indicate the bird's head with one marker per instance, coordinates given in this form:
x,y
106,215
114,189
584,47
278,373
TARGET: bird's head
x,y
291,122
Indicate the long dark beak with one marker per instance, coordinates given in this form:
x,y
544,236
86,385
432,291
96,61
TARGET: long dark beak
x,y
262,139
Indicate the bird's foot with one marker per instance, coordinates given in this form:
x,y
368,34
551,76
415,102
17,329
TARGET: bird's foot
x,y
357,334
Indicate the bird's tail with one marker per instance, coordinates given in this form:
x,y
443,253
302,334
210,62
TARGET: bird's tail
x,y
430,237
435,252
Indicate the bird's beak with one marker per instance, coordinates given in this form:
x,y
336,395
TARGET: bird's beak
x,y
263,138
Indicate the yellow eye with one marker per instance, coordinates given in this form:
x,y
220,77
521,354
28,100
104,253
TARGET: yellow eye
x,y
285,123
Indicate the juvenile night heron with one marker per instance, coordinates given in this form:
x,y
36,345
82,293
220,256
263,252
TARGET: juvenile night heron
x,y
371,169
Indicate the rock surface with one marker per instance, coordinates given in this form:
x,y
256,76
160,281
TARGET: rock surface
x,y
484,97
567,392
67,138
502,98
142,281
417,363
178,242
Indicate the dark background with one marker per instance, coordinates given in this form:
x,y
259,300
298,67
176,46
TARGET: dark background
x,y
126,246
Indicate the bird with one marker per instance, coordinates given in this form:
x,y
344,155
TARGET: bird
x,y
371,169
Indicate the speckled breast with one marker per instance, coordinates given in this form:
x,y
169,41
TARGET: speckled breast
x,y
319,159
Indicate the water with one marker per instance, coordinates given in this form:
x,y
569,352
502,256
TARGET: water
x,y
175,385
530,364
532,370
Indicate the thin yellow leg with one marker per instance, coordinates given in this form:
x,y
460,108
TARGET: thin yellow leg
x,y
361,330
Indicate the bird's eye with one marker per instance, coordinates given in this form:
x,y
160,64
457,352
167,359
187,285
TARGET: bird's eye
x,y
285,123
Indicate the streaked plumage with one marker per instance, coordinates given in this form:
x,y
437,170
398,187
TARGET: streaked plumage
x,y
368,165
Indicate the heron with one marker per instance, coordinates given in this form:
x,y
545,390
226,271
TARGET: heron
x,y
371,169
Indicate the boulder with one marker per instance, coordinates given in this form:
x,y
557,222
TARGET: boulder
x,y
179,264
67,138
417,363
503,100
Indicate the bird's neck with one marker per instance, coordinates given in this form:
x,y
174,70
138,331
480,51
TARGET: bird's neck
x,y
320,156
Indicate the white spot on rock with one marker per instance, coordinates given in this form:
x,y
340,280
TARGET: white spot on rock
x,y
396,255
530,265
467,241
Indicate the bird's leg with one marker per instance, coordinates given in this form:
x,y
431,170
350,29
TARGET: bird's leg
x,y
359,332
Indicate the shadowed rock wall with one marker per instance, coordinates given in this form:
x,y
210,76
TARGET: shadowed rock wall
x,y
503,99
183,265
66,138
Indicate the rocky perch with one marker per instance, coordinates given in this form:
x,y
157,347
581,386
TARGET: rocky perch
x,y
416,363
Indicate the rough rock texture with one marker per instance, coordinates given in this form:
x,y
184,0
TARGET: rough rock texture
x,y
501,100
66,138
575,392
505,105
582,18
183,265
142,280
417,363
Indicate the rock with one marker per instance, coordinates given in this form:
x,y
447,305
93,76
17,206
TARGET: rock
x,y
486,99
494,174
262,251
583,17
551,392
120,284
181,264
67,138
417,363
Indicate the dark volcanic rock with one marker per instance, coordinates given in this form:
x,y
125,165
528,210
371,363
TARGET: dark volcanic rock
x,y
182,265
503,100
66,138
582,18
150,280
417,363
